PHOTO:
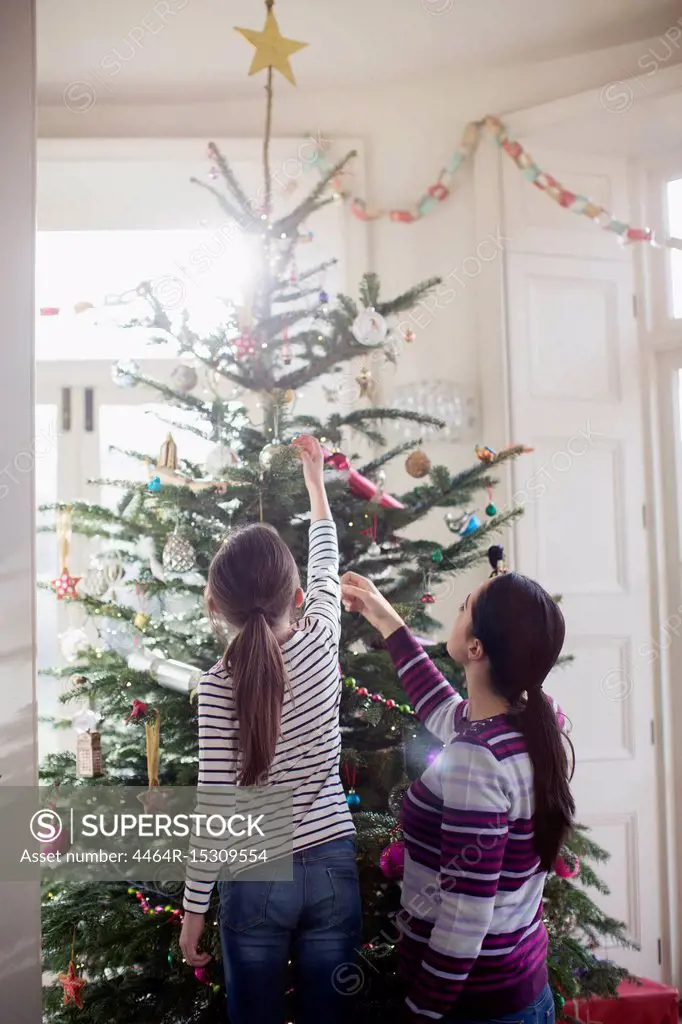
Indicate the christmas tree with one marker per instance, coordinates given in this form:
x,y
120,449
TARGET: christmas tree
x,y
141,634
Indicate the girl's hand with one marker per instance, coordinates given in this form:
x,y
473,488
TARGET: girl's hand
x,y
360,595
310,453
190,937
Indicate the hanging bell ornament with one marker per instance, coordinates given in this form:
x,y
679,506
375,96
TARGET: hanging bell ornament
x,y
168,456
418,463
374,551
178,554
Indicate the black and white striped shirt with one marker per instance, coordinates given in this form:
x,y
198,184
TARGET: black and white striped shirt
x,y
307,753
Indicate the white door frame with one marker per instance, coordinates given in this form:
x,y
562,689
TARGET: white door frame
x,y
20,970
582,113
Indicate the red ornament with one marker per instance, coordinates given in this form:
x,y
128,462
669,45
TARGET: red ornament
x,y
562,869
358,484
362,691
60,844
65,585
566,198
203,975
73,986
392,860
337,461
139,711
390,703
427,599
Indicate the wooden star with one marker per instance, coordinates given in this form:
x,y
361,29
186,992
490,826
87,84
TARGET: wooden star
x,y
272,49
65,585
72,985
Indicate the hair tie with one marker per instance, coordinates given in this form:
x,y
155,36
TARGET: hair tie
x,y
255,611
496,559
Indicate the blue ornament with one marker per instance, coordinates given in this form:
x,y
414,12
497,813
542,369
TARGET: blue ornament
x,y
323,296
472,524
154,485
353,799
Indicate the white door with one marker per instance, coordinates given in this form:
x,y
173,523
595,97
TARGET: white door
x,y
574,395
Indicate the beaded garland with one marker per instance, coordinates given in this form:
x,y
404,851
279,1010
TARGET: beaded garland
x,y
376,698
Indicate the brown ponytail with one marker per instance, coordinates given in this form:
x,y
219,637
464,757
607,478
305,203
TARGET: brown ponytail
x,y
252,583
521,629
254,660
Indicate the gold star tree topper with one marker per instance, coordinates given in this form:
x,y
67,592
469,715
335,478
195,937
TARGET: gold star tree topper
x,y
272,49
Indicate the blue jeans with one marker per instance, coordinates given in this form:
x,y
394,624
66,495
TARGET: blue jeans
x,y
539,1012
314,921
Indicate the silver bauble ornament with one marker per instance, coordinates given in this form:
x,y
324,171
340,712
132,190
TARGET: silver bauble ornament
x,y
184,378
374,551
396,797
73,642
122,373
269,453
369,327
95,584
114,571
178,554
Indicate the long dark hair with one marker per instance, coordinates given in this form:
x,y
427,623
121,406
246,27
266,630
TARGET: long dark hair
x,y
521,629
252,584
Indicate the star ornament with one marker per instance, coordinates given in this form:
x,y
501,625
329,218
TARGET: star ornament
x,y
73,986
272,49
65,585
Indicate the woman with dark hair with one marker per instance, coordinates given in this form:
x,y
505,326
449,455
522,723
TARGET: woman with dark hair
x,y
486,820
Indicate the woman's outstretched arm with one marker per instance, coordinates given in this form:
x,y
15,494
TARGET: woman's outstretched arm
x,y
433,698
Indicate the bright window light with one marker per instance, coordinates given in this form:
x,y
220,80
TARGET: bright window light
x,y
75,269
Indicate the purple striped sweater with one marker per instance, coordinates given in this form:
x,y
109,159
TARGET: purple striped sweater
x,y
473,943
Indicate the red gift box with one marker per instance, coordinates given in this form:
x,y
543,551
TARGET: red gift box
x,y
645,1003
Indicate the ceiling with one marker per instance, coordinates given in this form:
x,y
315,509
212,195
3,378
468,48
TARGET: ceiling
x,y
166,50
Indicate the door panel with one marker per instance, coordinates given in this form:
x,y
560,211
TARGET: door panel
x,y
574,386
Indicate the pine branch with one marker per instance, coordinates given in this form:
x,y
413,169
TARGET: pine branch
x,y
232,182
313,201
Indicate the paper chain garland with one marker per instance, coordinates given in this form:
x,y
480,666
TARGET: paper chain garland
x,y
439,192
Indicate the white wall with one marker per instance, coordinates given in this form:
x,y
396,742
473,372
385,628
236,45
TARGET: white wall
x,y
409,130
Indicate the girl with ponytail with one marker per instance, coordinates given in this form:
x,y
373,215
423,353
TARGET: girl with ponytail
x,y
269,716
485,822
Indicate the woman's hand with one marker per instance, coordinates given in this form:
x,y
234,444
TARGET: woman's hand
x,y
360,595
190,937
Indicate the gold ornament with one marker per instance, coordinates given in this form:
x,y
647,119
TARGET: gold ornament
x,y
289,396
417,463
141,620
272,48
366,383
168,456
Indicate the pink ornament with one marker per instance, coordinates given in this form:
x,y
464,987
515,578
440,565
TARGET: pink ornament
x,y
376,697
362,691
562,869
392,860
203,975
390,703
